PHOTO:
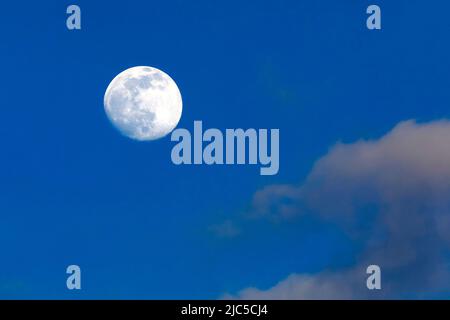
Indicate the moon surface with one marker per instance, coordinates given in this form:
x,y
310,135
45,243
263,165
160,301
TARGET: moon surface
x,y
143,103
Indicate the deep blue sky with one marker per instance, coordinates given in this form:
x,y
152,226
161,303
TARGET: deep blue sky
x,y
74,191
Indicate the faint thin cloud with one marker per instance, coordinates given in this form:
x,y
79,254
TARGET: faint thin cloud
x,y
226,229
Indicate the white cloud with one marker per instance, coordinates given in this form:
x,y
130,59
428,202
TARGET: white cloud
x,y
405,178
298,287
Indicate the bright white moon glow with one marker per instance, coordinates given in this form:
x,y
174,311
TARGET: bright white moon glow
x,y
144,103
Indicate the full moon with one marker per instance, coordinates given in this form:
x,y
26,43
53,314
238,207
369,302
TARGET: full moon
x,y
143,103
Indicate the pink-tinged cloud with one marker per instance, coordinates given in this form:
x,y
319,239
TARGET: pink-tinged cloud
x,y
404,177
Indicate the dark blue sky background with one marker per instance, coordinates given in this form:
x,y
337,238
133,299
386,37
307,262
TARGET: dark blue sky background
x,y
74,191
